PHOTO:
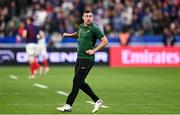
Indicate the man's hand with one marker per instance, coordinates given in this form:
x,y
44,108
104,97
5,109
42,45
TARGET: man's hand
x,y
65,34
72,35
90,52
103,43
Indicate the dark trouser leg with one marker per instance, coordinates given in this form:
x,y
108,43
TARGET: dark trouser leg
x,y
82,68
87,89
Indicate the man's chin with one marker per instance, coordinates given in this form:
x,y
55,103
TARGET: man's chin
x,y
89,23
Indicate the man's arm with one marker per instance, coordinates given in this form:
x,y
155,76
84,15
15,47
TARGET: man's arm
x,y
24,34
72,35
103,43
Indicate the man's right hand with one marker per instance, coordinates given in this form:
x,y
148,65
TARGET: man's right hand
x,y
72,35
65,34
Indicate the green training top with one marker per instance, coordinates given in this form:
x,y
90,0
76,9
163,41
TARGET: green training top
x,y
87,36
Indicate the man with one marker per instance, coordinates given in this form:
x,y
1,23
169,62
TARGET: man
x,y
29,34
42,50
87,35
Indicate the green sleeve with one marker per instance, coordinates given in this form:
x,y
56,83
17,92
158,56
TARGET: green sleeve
x,y
97,31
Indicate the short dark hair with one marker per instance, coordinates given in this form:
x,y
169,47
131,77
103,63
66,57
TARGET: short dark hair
x,y
30,18
87,11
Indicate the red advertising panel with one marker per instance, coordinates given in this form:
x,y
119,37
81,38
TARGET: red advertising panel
x,y
145,56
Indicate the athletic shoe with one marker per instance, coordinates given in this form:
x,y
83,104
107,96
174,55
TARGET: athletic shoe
x,y
65,108
97,105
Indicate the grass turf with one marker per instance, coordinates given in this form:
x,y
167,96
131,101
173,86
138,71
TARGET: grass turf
x,y
124,90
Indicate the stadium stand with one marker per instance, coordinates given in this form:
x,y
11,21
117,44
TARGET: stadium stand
x,y
145,20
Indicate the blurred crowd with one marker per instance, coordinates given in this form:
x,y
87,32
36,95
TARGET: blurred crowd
x,y
138,17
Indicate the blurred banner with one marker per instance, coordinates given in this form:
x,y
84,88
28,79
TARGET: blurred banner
x,y
113,56
145,57
60,56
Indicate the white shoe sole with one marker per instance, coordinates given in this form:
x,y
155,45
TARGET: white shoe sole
x,y
63,110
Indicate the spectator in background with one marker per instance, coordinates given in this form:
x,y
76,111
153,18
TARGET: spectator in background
x,y
127,14
124,37
14,9
2,26
177,28
48,7
67,6
168,37
40,15
137,25
118,19
147,22
157,20
12,27
20,31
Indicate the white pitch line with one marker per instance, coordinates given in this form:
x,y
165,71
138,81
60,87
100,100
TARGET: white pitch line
x,y
13,77
103,106
62,93
40,86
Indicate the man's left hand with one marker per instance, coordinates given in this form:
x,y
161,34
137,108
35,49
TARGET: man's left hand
x,y
90,52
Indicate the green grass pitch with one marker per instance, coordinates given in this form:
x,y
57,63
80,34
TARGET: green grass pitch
x,y
123,90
